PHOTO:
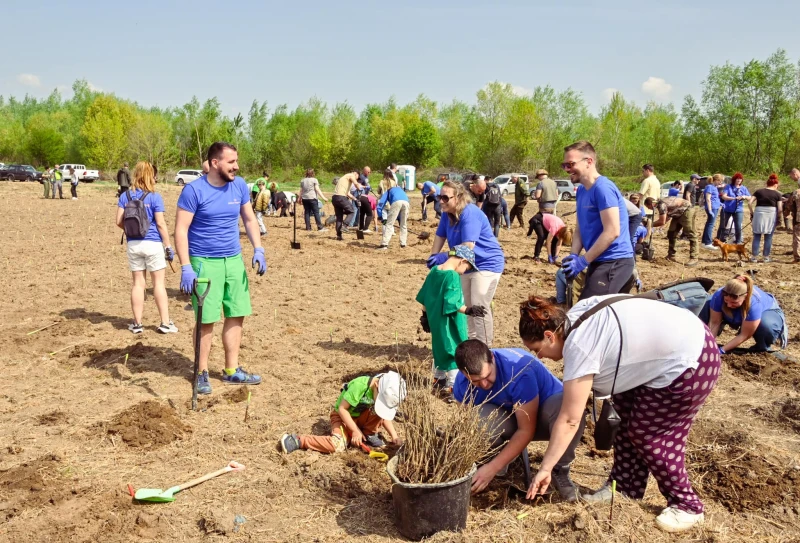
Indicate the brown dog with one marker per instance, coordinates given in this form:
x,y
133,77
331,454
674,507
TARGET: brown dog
x,y
726,248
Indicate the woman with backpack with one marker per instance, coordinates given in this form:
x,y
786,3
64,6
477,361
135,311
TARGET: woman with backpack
x,y
140,214
657,386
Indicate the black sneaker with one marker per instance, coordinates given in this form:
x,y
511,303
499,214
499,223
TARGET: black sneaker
x,y
289,443
563,484
375,441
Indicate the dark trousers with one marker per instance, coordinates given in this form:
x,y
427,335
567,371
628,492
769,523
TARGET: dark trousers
x,y
73,188
311,207
537,226
609,277
344,212
517,212
365,217
430,198
495,215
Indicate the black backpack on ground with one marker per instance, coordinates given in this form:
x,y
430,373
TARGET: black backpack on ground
x,y
134,218
493,194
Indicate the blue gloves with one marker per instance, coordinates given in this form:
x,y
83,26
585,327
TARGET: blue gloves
x,y
261,260
551,259
169,254
574,265
721,350
188,277
437,259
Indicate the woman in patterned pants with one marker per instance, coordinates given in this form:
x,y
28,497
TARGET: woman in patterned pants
x,y
658,386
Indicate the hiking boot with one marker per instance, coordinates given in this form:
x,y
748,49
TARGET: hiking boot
x,y
673,519
241,377
167,328
289,443
136,328
564,485
374,441
672,258
203,386
601,496
692,263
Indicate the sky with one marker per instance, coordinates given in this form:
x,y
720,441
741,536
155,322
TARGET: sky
x,y
161,53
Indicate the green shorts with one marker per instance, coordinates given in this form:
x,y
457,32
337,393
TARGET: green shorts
x,y
230,289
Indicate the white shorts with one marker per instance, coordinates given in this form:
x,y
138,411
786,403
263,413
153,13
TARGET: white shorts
x,y
144,254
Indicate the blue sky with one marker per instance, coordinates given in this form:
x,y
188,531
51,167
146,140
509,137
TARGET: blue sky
x,y
164,52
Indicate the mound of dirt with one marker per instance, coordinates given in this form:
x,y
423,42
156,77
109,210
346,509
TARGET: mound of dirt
x,y
765,368
729,468
143,358
53,418
149,424
784,412
40,482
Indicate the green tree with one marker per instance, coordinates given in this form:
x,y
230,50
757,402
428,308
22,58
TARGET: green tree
x,y
105,131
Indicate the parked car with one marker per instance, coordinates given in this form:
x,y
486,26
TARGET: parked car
x,y
666,186
87,176
506,186
184,177
450,176
566,190
19,172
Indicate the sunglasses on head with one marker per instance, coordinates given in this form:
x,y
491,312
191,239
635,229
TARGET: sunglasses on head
x,y
726,294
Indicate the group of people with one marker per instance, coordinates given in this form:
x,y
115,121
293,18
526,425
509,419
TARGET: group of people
x,y
457,309
53,180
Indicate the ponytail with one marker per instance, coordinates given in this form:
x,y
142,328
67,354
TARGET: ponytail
x,y
537,315
748,281
734,286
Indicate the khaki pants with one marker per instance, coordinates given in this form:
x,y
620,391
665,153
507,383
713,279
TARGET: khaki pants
x,y
478,289
796,242
368,422
398,210
686,223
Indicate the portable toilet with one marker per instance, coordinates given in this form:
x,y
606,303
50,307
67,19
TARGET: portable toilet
x,y
407,177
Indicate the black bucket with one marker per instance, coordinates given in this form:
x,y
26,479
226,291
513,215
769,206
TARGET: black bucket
x,y
421,510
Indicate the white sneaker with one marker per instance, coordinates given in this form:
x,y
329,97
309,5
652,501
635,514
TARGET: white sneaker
x,y
74,198
673,519
601,496
136,328
711,247
167,328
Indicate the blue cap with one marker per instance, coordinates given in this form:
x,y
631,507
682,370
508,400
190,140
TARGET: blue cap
x,y
462,251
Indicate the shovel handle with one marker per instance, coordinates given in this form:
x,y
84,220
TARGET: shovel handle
x,y
233,466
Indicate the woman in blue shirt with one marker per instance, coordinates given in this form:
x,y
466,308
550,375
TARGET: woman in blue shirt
x,y
711,205
463,222
753,312
733,197
148,254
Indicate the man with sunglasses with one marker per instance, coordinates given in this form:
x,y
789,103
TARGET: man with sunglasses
x,y
601,212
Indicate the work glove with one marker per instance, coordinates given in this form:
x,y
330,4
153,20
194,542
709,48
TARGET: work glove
x,y
423,320
476,311
437,259
551,259
169,253
188,277
261,260
573,265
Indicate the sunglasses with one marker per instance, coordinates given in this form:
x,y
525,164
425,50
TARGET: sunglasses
x,y
726,294
571,164
444,198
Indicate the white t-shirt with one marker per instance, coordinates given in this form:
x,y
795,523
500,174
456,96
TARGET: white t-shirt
x,y
660,342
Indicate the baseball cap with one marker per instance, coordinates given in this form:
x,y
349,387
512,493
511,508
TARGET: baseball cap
x,y
462,251
391,391
694,176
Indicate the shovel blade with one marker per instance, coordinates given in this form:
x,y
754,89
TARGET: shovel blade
x,y
295,245
359,234
155,495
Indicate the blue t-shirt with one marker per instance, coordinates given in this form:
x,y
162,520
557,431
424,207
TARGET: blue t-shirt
x,y
715,201
604,194
521,378
428,187
473,226
760,301
674,192
734,206
214,232
153,202
389,197
641,233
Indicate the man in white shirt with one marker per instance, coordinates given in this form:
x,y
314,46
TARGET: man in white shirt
x,y
650,187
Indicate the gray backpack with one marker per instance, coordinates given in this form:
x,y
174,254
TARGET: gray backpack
x,y
134,219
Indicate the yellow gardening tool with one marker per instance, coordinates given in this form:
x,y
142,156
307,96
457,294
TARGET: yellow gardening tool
x,y
379,456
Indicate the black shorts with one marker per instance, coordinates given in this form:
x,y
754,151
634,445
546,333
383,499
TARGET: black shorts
x,y
609,277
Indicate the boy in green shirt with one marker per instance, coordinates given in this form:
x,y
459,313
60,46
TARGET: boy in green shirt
x,y
364,406
444,313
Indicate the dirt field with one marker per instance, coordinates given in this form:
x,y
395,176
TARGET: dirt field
x,y
86,407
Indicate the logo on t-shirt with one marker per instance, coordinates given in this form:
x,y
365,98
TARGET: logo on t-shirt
x,y
235,201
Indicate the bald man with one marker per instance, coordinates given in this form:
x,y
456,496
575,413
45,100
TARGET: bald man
x,y
205,167
476,188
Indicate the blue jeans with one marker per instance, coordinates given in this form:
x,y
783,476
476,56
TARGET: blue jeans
x,y
506,215
354,220
771,328
757,244
633,223
561,287
708,230
311,207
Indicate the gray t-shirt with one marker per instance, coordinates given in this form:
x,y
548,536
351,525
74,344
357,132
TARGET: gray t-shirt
x,y
660,342
308,187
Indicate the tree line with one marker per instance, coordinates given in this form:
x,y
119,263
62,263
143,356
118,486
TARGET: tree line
x,y
747,118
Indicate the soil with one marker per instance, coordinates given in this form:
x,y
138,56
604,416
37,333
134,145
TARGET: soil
x,y
81,422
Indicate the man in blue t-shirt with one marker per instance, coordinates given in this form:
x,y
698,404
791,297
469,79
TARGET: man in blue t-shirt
x,y
711,204
429,192
207,242
601,211
521,400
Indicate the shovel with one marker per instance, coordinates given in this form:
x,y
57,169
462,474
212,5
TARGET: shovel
x,y
294,243
379,456
156,495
